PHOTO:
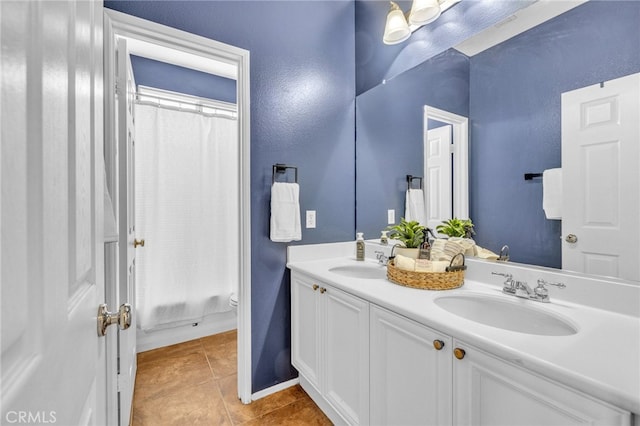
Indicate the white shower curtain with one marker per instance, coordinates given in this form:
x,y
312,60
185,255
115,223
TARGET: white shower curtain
x,y
187,211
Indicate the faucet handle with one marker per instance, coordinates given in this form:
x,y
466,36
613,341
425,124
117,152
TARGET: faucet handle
x,y
541,292
502,274
542,283
509,286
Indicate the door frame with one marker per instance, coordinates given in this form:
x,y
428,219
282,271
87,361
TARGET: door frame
x,y
117,24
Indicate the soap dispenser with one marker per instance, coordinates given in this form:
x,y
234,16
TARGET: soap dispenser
x,y
384,238
359,246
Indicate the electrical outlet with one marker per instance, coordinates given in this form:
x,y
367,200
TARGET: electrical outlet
x,y
391,216
311,218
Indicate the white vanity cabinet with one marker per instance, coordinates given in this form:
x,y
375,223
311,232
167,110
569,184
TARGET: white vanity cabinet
x,y
330,345
489,391
365,364
410,372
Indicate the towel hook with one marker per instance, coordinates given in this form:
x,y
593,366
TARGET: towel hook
x,y
410,180
279,168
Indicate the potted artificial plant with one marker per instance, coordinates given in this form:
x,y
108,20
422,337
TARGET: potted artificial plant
x,y
409,233
460,228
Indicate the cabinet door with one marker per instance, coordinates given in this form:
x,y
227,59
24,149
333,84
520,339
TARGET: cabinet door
x,y
490,391
305,328
410,378
346,375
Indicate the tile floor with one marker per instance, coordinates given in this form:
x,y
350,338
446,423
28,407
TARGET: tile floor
x,y
195,383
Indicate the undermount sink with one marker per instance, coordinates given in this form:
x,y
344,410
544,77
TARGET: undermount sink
x,y
364,270
508,315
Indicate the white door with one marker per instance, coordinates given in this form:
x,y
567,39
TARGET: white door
x,y
126,227
53,362
601,178
437,167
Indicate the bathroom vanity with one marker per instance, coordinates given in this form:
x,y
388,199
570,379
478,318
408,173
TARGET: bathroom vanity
x,y
372,352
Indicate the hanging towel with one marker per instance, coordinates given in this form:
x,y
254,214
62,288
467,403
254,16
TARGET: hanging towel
x,y
552,193
285,212
414,206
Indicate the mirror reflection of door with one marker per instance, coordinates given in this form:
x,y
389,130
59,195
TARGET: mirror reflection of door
x,y
438,170
446,168
601,182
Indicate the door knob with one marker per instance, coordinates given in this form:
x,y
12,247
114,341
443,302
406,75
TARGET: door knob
x,y
106,318
571,238
137,243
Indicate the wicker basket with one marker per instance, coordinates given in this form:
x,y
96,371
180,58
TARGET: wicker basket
x,y
425,280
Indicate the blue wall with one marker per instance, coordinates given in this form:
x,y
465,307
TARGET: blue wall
x,y
515,91
376,61
162,75
302,113
389,123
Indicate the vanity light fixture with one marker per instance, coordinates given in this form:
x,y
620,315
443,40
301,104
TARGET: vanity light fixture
x,y
399,26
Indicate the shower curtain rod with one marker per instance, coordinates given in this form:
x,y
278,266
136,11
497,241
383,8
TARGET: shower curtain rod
x,y
181,102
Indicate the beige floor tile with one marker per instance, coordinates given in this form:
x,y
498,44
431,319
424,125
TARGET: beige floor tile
x,y
223,358
188,405
221,338
298,413
195,383
170,351
164,375
240,412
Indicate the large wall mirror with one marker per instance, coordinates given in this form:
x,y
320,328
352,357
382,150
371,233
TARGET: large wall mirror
x,y
511,93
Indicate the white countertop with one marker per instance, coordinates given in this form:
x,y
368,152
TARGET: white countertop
x,y
602,359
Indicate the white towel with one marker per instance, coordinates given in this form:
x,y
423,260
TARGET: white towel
x,y
414,206
552,193
285,212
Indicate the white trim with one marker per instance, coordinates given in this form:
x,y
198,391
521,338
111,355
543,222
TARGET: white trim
x,y
118,24
275,388
212,324
460,140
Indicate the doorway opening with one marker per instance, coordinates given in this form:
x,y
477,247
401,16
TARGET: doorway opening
x,y
157,42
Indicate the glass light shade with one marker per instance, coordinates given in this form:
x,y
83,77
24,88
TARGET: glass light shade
x,y
396,30
424,11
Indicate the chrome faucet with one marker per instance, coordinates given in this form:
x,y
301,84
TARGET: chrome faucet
x,y
522,289
504,254
382,259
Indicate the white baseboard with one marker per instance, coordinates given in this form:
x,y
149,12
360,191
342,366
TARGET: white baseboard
x,y
213,324
274,389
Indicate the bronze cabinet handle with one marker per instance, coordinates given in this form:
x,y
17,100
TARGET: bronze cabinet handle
x,y
438,344
137,243
459,353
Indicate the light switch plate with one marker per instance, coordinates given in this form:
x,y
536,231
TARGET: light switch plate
x,y
391,216
311,218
